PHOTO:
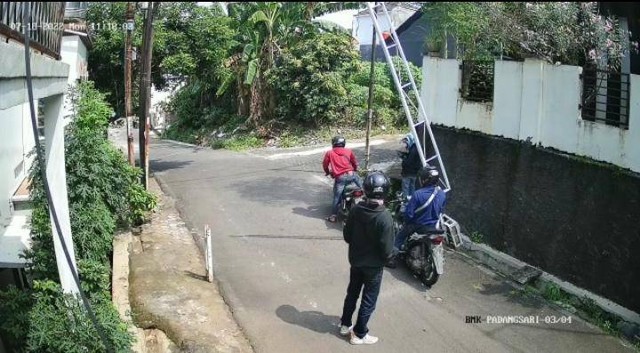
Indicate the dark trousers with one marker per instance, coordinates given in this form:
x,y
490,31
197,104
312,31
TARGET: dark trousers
x,y
367,280
406,231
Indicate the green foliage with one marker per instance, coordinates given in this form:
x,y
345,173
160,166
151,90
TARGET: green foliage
x,y
477,237
310,79
239,143
553,293
265,67
569,33
98,175
15,306
59,323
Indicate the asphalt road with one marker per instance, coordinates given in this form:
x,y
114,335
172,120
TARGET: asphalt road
x,y
284,270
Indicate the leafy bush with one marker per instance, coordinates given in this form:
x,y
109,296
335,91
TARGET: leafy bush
x,y
59,323
572,33
15,306
239,143
309,79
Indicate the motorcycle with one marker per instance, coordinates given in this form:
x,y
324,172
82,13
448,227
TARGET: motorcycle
x,y
422,252
351,196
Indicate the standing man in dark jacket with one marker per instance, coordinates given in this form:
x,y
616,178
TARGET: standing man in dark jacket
x,y
342,165
411,164
369,233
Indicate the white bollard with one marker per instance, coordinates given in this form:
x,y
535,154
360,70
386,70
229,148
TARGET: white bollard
x,y
208,253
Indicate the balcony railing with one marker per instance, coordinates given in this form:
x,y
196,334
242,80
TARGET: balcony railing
x,y
45,27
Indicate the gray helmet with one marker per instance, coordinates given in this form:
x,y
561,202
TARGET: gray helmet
x,y
338,141
428,176
376,185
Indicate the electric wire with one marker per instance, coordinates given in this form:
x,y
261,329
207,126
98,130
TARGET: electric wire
x,y
40,161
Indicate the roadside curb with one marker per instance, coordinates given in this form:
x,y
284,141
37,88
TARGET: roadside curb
x,y
168,288
510,267
120,287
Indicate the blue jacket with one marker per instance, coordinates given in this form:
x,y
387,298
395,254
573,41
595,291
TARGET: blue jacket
x,y
429,216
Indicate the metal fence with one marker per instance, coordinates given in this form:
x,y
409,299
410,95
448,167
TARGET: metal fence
x,y
477,80
605,97
45,27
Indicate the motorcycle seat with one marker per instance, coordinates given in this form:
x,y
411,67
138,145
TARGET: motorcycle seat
x,y
351,187
431,231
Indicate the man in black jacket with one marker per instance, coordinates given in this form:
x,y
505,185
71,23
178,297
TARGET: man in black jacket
x,y
369,233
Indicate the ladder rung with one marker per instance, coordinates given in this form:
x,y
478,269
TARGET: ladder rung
x,y
406,85
392,45
432,158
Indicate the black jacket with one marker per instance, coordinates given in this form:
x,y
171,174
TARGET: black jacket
x,y
369,233
411,163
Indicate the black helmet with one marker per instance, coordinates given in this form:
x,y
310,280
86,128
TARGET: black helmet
x,y
428,176
338,141
376,185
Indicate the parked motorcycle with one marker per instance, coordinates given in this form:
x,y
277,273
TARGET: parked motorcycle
x,y
422,252
351,196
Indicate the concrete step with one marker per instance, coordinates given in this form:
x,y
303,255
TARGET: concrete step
x,y
21,199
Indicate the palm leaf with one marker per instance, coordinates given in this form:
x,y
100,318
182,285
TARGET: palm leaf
x,y
252,71
258,16
228,80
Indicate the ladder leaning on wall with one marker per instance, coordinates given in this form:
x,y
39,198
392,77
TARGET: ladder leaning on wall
x,y
414,109
409,93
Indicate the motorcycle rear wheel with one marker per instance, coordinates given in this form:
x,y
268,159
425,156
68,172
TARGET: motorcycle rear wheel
x,y
429,276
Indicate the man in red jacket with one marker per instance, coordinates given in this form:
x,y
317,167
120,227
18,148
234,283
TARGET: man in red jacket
x,y
342,165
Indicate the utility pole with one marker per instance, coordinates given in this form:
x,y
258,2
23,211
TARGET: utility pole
x,y
127,81
145,94
370,103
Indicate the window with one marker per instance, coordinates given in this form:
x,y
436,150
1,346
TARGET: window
x,y
605,97
477,80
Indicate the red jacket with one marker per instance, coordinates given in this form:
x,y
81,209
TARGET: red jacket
x,y
338,161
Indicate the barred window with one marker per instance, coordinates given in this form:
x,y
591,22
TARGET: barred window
x,y
605,96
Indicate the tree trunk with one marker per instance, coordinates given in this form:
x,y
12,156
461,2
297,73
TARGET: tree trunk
x,y
243,98
467,67
255,113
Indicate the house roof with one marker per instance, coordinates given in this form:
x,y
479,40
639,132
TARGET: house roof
x,y
392,5
403,27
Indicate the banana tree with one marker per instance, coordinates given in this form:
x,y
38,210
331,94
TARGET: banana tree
x,y
267,29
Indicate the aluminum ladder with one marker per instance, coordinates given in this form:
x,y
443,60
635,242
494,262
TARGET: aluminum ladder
x,y
417,118
405,86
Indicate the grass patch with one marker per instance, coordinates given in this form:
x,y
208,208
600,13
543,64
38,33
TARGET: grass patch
x,y
238,143
584,307
477,237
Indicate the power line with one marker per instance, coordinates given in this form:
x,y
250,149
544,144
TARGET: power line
x,y
40,161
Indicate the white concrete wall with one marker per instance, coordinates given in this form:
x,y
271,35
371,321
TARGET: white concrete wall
x,y
74,53
536,102
69,55
16,141
363,26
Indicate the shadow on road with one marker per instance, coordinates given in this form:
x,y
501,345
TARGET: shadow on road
x,y
287,236
277,189
195,276
158,165
311,320
403,274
